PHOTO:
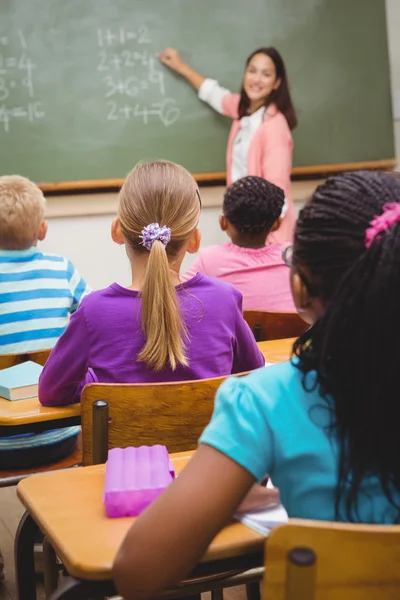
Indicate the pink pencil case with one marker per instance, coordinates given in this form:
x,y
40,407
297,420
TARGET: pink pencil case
x,y
134,478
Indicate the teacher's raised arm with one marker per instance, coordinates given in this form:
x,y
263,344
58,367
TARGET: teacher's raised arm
x,y
172,59
260,142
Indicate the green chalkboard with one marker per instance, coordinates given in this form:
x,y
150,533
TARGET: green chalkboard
x,y
83,96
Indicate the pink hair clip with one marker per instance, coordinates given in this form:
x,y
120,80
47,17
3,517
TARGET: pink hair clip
x,y
380,223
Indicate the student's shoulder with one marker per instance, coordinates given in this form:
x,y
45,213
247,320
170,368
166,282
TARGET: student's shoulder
x,y
55,260
214,252
216,286
280,374
275,251
272,388
97,298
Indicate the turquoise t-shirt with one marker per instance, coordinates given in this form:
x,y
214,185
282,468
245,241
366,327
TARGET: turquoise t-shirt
x,y
269,424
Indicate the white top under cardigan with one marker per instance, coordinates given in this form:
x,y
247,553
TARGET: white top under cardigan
x,y
211,92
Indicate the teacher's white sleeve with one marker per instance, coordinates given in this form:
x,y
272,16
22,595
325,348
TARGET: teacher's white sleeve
x,y
211,92
284,208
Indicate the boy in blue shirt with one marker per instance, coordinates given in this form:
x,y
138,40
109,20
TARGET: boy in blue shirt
x,y
38,291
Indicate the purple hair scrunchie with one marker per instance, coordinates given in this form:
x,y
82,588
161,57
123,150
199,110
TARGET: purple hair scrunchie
x,y
154,232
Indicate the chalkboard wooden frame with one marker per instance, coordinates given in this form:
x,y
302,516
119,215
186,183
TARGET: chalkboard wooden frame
x,y
297,172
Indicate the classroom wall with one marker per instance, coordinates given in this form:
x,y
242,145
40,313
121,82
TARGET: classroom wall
x,y
86,241
79,226
393,20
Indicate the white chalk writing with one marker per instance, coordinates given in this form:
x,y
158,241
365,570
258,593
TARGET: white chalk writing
x,y
111,38
132,80
17,75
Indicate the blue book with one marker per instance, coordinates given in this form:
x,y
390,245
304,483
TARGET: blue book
x,y
21,381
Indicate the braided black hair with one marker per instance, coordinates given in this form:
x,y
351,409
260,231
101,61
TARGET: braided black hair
x,y
253,204
354,347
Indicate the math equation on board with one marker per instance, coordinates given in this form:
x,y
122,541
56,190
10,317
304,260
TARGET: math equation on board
x,y
129,69
130,78
17,79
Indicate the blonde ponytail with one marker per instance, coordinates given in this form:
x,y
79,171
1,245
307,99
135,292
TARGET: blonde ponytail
x,y
161,315
165,193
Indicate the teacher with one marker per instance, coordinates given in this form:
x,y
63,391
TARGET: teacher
x,y
260,142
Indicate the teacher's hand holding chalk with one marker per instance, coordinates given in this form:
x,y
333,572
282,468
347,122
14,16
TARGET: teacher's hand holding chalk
x,y
260,142
172,59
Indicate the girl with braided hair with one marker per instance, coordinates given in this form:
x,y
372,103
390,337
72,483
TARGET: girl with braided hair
x,y
251,210
324,425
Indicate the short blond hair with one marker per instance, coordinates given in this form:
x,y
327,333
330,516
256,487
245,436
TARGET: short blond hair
x,y
22,206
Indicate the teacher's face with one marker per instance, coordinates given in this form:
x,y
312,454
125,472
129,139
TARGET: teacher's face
x,y
260,78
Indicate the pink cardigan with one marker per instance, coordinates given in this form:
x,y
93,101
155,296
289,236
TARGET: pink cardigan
x,y
270,156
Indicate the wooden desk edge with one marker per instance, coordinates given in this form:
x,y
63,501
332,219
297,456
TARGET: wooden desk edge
x,y
52,414
252,545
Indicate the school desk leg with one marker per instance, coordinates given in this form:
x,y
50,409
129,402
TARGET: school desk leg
x,y
77,589
217,594
24,558
50,568
253,591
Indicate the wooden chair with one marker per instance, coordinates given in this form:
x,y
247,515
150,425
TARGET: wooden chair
x,y
12,477
172,414
9,360
312,560
274,325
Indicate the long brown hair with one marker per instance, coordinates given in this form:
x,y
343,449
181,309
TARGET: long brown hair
x,y
164,193
280,97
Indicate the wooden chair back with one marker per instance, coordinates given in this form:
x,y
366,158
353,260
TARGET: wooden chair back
x,y
267,325
9,360
172,414
315,560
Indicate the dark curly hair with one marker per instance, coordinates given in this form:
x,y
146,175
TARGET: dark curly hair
x,y
354,347
253,204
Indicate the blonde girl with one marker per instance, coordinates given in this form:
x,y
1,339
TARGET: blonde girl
x,y
157,328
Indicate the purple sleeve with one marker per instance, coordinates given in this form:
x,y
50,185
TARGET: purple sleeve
x,y
247,355
63,376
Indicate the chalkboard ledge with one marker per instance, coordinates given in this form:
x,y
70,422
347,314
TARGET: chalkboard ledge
x,y
212,179
97,204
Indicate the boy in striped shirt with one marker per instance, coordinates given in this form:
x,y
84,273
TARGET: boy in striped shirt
x,y
38,291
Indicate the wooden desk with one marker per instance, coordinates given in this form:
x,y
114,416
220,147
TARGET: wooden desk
x,y
29,415
68,508
277,350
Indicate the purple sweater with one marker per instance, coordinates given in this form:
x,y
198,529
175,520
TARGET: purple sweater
x,y
104,338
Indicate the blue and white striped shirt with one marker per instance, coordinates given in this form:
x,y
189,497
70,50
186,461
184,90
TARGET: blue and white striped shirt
x,y
38,292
